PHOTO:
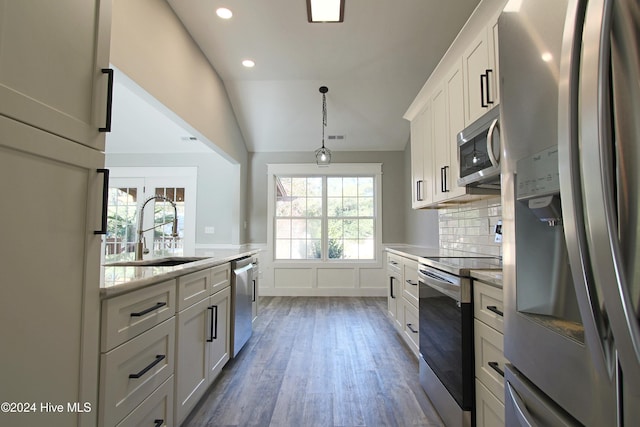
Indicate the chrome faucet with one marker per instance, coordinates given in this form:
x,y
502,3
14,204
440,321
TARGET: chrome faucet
x,y
140,244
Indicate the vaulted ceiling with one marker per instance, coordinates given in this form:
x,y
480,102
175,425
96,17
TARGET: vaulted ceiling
x,y
374,64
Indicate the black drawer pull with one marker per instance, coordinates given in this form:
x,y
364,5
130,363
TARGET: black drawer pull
x,y
213,330
489,101
391,293
149,310
496,367
495,309
158,423
411,283
159,358
105,200
410,326
109,73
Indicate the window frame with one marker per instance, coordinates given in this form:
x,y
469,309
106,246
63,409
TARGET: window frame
x,y
334,170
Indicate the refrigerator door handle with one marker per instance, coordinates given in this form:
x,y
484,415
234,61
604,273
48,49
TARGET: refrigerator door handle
x,y
524,418
598,157
587,293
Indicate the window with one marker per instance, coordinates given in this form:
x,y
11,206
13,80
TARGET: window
x,y
325,217
128,190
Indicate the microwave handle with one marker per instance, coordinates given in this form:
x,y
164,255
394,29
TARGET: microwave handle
x,y
492,156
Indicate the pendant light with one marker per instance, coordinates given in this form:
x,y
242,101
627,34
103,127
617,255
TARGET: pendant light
x,y
323,155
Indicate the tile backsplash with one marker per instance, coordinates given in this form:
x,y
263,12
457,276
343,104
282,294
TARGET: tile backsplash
x,y
470,227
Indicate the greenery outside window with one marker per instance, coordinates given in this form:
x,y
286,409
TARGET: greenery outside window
x,y
330,217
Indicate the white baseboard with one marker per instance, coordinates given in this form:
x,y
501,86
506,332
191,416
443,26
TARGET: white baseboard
x,y
323,292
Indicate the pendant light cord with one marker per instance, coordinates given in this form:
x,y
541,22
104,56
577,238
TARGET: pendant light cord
x,y
324,116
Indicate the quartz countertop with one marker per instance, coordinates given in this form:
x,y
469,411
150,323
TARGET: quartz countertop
x,y
412,252
492,277
117,280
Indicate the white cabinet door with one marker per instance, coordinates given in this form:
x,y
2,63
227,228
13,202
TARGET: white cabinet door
x,y
191,379
455,121
50,263
476,64
494,78
422,159
51,57
417,161
220,335
441,150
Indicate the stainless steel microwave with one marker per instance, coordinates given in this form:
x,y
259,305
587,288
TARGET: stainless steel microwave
x,y
479,152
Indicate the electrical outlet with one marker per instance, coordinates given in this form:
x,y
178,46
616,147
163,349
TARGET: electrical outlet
x,y
209,230
498,231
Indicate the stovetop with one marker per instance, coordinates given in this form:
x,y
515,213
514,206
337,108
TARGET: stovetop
x,y
460,265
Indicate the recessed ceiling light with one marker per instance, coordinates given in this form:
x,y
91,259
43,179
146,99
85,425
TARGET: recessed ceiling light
x,y
224,13
546,57
248,63
325,10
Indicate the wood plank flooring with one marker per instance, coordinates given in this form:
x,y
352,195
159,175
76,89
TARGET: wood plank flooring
x,y
319,361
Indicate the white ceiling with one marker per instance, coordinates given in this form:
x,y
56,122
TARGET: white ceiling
x,y
374,64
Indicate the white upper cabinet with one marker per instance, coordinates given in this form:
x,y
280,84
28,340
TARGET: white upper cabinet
x,y
480,63
421,159
51,58
462,88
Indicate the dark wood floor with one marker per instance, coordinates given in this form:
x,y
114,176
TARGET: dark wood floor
x,y
319,362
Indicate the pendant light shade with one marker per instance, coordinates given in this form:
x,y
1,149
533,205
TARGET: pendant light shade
x,y
323,154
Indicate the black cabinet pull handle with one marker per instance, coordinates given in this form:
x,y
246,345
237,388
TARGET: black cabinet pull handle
x,y
109,73
213,329
444,176
410,327
149,310
489,101
105,201
254,291
158,423
418,188
411,283
391,293
159,358
495,309
496,367
482,92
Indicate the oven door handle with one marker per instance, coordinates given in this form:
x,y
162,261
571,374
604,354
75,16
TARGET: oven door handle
x,y
443,286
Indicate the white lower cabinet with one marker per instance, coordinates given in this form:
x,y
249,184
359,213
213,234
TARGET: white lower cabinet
x,y
155,411
488,354
132,371
402,298
203,348
162,347
489,409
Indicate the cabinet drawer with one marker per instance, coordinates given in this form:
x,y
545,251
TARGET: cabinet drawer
x,y
156,409
131,372
410,326
488,347
193,287
410,283
489,410
128,315
488,305
220,277
394,264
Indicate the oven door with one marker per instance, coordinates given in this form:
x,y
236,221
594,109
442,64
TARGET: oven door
x,y
446,333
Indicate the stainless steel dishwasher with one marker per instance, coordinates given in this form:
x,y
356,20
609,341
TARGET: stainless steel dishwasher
x,y
241,302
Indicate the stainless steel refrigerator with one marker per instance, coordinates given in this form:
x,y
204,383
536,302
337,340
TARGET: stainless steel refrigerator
x,y
570,118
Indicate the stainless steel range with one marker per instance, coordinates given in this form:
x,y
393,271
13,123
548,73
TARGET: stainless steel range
x,y
446,333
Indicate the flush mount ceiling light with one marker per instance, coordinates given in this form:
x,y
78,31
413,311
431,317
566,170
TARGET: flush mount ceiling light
x,y
325,10
224,13
323,155
248,63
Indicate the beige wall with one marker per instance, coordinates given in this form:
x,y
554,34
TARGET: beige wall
x,y
150,45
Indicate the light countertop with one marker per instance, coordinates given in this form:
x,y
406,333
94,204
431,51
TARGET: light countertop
x,y
116,280
492,277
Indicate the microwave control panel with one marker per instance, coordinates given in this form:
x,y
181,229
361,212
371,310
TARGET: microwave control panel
x,y
538,175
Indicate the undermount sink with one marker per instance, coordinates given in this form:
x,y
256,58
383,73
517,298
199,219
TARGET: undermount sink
x,y
157,262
